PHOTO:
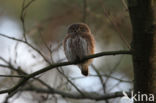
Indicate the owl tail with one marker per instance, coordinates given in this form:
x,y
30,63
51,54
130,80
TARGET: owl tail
x,y
84,69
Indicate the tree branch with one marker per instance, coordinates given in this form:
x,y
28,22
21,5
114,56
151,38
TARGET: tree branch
x,y
16,76
90,95
52,66
27,77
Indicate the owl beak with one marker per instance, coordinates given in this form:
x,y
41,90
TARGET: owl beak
x,y
78,30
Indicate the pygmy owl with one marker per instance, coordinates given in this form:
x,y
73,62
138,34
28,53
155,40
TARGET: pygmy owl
x,y
78,43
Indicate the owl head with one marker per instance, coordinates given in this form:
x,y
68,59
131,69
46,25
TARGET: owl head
x,y
78,28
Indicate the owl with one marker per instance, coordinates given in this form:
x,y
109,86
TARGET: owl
x,y
78,43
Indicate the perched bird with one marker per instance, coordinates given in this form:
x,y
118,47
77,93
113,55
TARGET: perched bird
x,y
78,43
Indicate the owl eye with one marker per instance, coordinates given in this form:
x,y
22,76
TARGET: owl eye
x,y
74,29
83,29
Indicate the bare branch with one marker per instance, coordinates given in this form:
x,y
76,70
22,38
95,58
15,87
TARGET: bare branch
x,y
26,78
16,76
124,4
23,20
90,95
71,83
28,44
23,14
114,69
108,76
101,80
115,26
5,61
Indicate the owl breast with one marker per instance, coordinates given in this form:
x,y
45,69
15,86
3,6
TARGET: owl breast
x,y
75,48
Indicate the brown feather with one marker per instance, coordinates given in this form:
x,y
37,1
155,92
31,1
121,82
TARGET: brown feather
x,y
84,69
79,43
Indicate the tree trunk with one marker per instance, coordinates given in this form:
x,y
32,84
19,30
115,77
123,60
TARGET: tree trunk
x,y
144,48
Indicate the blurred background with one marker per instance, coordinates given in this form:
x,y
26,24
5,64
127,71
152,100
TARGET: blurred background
x,y
45,26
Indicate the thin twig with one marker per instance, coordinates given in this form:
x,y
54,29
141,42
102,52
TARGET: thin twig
x,y
114,68
124,4
16,76
115,26
23,14
71,83
28,44
105,75
101,80
62,73
46,45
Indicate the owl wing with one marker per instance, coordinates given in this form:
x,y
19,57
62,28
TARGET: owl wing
x,y
82,47
90,43
88,47
68,49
